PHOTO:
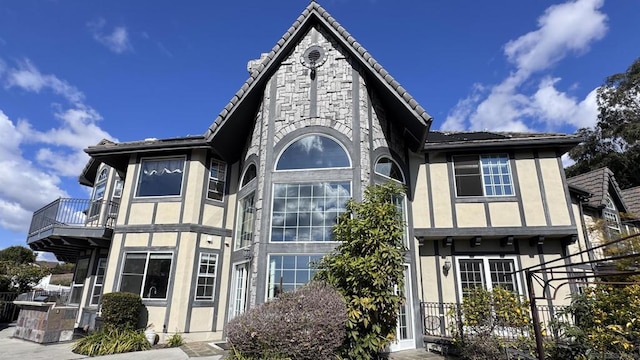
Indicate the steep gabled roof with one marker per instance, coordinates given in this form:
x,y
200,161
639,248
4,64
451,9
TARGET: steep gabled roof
x,y
599,183
486,140
632,199
235,119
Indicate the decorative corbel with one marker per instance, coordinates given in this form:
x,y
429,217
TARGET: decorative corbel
x,y
506,241
476,241
536,240
448,241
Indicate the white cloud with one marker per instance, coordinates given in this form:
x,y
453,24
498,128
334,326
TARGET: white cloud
x,y
32,183
563,29
116,41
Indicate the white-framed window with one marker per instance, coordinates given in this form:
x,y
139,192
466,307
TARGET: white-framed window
x,y
217,176
77,288
249,174
146,274
288,272
307,212
245,221
205,288
96,293
239,289
484,175
612,218
98,193
401,205
388,168
487,273
160,177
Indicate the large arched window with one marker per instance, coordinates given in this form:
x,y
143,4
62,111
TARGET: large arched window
x,y
313,152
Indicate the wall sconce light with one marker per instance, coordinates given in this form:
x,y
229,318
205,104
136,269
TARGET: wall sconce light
x,y
446,267
247,253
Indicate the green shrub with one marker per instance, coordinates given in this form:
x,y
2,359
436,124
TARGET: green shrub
x,y
121,309
111,340
306,324
175,340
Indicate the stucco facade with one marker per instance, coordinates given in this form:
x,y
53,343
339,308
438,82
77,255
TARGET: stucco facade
x,y
228,230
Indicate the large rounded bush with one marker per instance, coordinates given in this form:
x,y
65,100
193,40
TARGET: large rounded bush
x,y
121,309
306,324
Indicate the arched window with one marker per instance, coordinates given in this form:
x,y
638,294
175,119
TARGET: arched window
x,y
249,175
388,168
313,152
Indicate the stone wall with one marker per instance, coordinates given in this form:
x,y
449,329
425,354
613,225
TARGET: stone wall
x,y
45,324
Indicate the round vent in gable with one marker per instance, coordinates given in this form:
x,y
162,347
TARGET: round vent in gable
x,y
314,57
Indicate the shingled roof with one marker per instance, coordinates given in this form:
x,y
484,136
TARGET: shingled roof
x,y
632,199
241,107
599,183
446,140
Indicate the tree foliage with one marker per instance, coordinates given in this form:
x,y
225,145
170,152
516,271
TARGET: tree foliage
x,y
615,140
367,268
18,271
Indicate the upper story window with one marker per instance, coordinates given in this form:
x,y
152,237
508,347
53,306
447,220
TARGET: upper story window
x,y
249,175
388,168
611,217
160,177
98,193
117,188
484,175
217,176
313,152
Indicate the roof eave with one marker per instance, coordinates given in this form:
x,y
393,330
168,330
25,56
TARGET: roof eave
x,y
562,144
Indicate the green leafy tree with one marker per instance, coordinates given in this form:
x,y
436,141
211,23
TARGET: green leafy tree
x,y
615,140
17,255
367,268
18,271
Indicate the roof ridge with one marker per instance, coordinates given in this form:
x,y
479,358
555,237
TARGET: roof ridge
x,y
332,24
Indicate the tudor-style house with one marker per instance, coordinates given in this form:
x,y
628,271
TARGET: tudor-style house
x,y
205,227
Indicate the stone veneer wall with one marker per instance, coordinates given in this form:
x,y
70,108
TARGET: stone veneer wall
x,y
45,324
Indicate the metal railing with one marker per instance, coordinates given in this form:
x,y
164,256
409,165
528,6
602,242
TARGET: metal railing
x,y
59,297
445,319
8,310
74,212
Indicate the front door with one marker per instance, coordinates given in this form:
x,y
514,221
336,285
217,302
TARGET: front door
x,y
404,330
239,289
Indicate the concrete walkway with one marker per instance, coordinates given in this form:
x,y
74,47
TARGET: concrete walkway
x,y
11,348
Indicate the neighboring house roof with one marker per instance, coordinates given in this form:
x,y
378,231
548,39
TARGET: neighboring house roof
x,y
632,199
599,183
238,115
463,140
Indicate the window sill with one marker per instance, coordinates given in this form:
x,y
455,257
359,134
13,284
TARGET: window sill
x,y
485,199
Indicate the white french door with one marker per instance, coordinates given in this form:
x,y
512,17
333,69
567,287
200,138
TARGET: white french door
x,y
238,301
404,329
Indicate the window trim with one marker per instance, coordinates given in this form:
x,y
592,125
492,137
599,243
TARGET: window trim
x,y
485,259
159,158
404,179
81,285
288,145
146,266
199,275
95,282
210,179
268,269
233,288
482,175
239,217
293,181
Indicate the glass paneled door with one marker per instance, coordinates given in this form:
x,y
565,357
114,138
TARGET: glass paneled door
x,y
404,329
239,289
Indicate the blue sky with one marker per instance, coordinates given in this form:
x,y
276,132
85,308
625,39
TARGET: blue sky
x,y
74,72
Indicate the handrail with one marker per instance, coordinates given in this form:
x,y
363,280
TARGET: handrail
x,y
74,213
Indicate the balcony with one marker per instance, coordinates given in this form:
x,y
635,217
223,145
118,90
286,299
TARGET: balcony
x,y
67,226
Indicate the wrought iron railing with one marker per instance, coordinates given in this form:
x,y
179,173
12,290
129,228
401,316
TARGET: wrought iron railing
x,y
8,310
445,319
74,212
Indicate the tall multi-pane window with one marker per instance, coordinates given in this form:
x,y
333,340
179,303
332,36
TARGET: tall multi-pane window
x,y
239,295
217,178
96,293
307,212
206,276
289,272
612,218
98,193
487,273
485,175
246,221
82,269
